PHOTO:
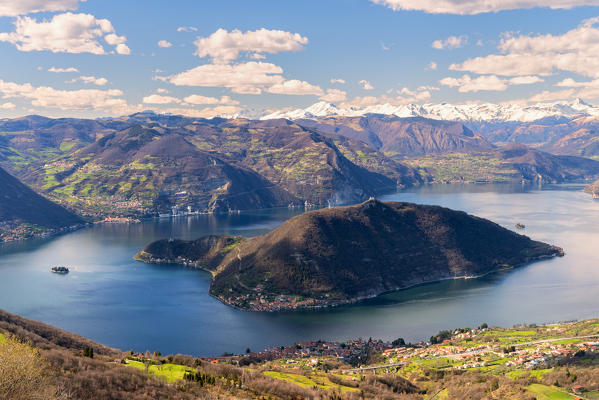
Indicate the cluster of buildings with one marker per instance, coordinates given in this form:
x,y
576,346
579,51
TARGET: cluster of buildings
x,y
311,352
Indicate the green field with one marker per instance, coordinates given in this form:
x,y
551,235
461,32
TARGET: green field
x,y
548,392
170,372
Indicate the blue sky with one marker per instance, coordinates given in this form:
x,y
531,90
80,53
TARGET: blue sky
x,y
237,55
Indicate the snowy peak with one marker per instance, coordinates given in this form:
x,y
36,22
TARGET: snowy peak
x,y
485,112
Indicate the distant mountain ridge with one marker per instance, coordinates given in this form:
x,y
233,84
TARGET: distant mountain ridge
x,y
484,112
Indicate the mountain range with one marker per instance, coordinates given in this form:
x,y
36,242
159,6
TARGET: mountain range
x,y
148,163
476,112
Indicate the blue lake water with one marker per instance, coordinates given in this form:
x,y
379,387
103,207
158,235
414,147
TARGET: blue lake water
x,y
123,303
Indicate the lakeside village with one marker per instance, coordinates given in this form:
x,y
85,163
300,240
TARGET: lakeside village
x,y
481,348
13,231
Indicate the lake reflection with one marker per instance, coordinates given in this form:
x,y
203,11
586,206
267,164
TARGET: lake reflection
x,y
117,301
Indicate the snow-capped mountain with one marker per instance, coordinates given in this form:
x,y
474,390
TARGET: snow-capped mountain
x,y
486,112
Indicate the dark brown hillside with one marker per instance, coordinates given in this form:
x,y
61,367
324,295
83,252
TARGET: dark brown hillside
x,y
343,254
19,204
396,136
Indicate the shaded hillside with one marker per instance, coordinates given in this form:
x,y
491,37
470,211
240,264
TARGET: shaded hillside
x,y
206,252
22,211
343,254
396,136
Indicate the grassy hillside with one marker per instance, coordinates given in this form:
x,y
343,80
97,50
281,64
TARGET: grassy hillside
x,y
558,361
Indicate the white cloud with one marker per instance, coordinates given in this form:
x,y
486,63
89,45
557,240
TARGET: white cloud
x,y
224,46
90,79
44,96
187,29
161,90
432,66
467,84
471,7
201,100
245,78
65,33
452,42
574,51
338,80
365,85
13,8
164,43
8,106
295,87
62,70
158,99
334,96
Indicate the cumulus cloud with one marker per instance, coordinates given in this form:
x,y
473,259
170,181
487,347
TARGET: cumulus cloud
x,y
452,42
164,43
334,96
161,90
432,66
574,51
90,79
158,99
44,96
365,85
471,7
244,78
224,46
65,33
295,87
338,80
201,100
62,70
467,84
13,8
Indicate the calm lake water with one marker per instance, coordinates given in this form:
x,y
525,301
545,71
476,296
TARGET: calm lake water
x,y
123,303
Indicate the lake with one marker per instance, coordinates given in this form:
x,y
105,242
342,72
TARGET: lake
x,y
117,301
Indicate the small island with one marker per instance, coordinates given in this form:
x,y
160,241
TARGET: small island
x,y
520,226
60,270
342,255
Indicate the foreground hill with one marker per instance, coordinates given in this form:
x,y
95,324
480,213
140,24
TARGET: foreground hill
x,y
24,213
344,254
556,361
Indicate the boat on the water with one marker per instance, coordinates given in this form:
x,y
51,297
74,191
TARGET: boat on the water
x,y
60,270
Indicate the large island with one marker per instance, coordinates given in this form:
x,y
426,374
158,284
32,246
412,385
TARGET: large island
x,y
346,254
